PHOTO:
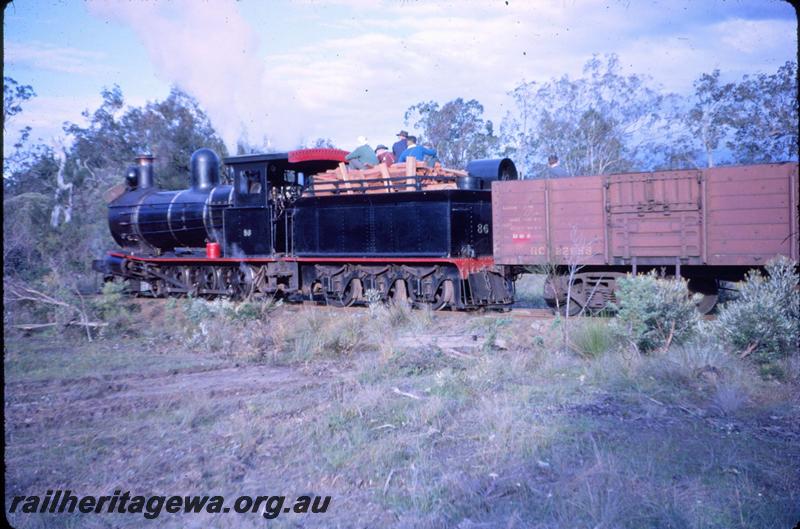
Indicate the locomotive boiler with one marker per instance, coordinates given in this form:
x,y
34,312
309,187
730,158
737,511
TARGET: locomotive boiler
x,y
146,218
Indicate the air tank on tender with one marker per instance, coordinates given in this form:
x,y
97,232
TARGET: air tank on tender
x,y
146,218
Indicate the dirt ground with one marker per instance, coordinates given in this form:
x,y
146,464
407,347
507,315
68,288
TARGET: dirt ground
x,y
417,421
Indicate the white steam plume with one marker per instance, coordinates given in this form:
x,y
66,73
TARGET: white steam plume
x,y
210,51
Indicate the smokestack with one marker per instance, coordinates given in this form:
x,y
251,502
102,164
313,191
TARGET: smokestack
x,y
145,163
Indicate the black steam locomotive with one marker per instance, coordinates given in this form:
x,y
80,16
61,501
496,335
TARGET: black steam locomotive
x,y
266,232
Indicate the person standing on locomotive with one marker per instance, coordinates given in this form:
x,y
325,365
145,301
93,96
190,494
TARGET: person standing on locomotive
x,y
384,156
363,156
400,145
417,151
554,169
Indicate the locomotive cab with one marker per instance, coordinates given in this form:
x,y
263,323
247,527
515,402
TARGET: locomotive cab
x,y
265,186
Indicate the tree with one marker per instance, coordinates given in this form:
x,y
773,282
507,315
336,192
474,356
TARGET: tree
x,y
597,124
66,186
709,119
171,130
14,95
765,117
457,130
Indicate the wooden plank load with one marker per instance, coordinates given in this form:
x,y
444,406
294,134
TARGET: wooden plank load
x,y
399,177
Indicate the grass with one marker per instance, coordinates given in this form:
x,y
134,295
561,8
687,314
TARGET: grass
x,y
407,419
591,337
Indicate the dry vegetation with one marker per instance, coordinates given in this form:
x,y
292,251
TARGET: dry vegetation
x,y
406,418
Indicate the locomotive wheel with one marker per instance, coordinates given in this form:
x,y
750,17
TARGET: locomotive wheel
x,y
709,289
398,293
352,293
193,280
181,276
158,288
444,296
238,281
208,279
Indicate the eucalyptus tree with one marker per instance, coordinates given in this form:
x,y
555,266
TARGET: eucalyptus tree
x,y
456,130
765,117
598,123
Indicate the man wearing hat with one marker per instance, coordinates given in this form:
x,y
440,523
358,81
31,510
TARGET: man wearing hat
x,y
384,156
400,145
363,156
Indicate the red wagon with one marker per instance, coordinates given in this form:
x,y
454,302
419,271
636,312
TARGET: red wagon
x,y
705,225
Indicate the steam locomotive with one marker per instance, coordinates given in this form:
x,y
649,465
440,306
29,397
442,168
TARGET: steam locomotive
x,y
268,233
272,232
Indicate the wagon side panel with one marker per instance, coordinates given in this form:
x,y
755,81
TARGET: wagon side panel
x,y
577,220
751,214
655,218
539,222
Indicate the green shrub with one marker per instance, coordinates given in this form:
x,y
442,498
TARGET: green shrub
x,y
653,313
765,318
198,310
114,306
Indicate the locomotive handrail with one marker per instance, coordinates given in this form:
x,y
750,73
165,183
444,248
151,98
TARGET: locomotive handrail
x,y
385,185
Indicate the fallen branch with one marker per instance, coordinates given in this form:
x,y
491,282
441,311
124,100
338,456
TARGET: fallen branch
x,y
19,292
457,354
388,479
403,393
750,348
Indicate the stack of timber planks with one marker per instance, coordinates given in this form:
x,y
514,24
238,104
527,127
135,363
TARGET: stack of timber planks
x,y
408,176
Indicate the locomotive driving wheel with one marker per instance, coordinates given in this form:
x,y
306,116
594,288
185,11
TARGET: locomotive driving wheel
x,y
178,276
192,280
238,281
208,279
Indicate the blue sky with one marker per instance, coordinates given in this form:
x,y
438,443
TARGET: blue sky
x,y
288,71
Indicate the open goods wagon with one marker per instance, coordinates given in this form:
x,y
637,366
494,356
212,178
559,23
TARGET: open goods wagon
x,y
707,226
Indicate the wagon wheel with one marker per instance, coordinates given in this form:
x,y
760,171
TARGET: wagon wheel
x,y
709,289
445,295
352,293
562,307
398,292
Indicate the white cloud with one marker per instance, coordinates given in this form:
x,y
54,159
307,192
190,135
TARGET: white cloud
x,y
46,115
755,36
53,58
389,56
210,51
